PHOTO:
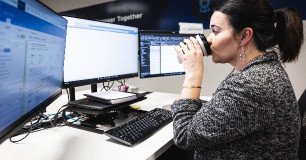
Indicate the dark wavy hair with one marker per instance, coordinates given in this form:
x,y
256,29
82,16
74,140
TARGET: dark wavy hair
x,y
270,27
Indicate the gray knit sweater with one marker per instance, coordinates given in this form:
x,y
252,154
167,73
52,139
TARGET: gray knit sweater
x,y
252,115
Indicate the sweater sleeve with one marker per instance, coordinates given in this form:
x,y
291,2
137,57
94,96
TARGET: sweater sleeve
x,y
232,113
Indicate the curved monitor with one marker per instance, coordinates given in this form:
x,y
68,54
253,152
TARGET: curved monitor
x,y
31,61
98,52
157,55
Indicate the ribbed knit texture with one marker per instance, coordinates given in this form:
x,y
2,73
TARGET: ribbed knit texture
x,y
252,115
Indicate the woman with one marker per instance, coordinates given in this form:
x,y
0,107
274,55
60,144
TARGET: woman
x,y
253,114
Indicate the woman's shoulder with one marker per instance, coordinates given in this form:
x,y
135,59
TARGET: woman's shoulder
x,y
266,69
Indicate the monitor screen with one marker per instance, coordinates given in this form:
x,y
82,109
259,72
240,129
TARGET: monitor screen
x,y
98,52
32,45
157,55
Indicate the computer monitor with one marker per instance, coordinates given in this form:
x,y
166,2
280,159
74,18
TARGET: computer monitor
x,y
32,45
98,52
157,55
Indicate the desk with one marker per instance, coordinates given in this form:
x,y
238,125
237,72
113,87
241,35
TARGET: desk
x,y
67,143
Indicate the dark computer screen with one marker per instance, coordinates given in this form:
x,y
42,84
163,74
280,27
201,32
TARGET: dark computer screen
x,y
32,44
157,55
98,52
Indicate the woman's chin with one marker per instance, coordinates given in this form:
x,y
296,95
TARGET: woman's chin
x,y
214,58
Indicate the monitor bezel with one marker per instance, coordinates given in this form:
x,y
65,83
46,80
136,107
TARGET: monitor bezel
x,y
84,82
139,53
93,81
12,129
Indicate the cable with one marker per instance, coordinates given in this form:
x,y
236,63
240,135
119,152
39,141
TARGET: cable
x,y
76,117
68,94
54,118
120,81
38,119
64,119
29,131
39,124
108,86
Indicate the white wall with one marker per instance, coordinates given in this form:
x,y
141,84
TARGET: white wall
x,y
214,73
297,70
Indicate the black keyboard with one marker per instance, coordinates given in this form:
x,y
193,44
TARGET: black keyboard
x,y
140,127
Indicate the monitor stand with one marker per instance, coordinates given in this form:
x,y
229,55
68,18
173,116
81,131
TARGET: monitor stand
x,y
94,88
101,121
72,94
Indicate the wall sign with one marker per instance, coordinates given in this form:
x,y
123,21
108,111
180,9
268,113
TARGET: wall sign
x,y
162,14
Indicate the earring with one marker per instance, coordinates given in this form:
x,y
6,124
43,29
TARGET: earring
x,y
242,54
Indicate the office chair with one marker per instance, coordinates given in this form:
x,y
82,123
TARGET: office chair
x,y
302,108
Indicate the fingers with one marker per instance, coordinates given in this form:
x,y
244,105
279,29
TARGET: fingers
x,y
196,44
184,48
179,52
191,45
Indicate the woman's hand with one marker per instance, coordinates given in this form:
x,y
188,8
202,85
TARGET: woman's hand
x,y
191,55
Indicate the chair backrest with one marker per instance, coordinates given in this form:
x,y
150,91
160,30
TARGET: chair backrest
x,y
302,108
302,104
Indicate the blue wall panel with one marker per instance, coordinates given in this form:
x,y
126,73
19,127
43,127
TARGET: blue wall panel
x,y
162,14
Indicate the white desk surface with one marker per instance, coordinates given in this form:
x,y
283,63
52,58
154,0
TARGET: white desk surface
x,y
67,143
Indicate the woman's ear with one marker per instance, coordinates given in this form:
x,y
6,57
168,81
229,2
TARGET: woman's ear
x,y
246,36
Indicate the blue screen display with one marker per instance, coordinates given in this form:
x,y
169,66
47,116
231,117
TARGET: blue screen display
x,y
32,44
157,55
